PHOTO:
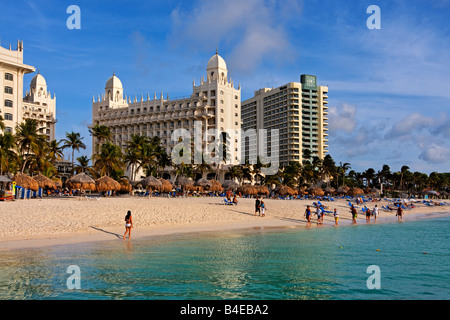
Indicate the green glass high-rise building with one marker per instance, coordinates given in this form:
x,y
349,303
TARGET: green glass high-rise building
x,y
298,110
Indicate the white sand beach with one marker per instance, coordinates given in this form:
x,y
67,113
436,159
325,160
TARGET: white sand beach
x,y
53,221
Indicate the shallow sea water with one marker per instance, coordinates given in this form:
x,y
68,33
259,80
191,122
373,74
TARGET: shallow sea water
x,y
324,263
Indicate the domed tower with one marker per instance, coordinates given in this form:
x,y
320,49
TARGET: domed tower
x,y
217,68
38,85
114,89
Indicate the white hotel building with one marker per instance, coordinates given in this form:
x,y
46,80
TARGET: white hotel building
x,y
37,103
215,103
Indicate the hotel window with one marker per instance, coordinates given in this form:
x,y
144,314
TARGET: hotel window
x,y
8,90
9,76
8,116
8,129
8,103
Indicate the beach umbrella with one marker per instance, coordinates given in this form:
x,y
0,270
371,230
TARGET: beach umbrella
x,y
151,183
106,183
329,190
355,191
81,181
262,190
26,182
343,189
44,182
125,185
205,184
166,186
318,192
185,183
216,186
230,184
284,190
248,189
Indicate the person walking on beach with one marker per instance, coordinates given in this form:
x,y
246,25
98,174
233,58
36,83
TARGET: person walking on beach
x,y
257,206
336,217
263,208
375,213
128,224
354,214
308,215
400,213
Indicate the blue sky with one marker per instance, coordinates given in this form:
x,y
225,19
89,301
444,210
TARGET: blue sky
x,y
389,89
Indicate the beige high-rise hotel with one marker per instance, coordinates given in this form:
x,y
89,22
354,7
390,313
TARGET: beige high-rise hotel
x,y
298,110
215,103
37,103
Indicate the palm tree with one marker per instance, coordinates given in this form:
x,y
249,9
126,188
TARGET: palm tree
x,y
74,141
329,168
6,151
2,123
235,172
132,158
109,160
343,167
28,139
55,151
82,165
403,171
101,133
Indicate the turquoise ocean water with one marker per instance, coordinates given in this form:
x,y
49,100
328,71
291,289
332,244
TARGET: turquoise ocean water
x,y
325,263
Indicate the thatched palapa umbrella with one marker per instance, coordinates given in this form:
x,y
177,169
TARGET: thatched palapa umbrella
x,y
355,191
317,192
125,185
216,186
284,190
262,190
26,182
44,182
105,184
203,183
329,190
166,186
230,184
151,183
81,181
343,190
186,184
248,189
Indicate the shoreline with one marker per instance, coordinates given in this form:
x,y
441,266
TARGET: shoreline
x,y
289,215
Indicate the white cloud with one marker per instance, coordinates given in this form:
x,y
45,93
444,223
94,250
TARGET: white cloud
x,y
250,30
411,125
342,118
435,153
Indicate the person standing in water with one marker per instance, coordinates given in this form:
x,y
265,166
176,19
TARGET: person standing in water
x,y
400,213
128,224
354,214
336,217
375,213
308,215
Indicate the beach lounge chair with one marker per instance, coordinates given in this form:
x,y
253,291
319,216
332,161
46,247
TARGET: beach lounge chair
x,y
225,201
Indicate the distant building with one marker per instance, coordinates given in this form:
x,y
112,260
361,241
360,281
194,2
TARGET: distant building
x,y
298,110
215,103
36,104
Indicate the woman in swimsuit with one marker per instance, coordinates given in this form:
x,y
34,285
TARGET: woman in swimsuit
x,y
128,224
308,215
